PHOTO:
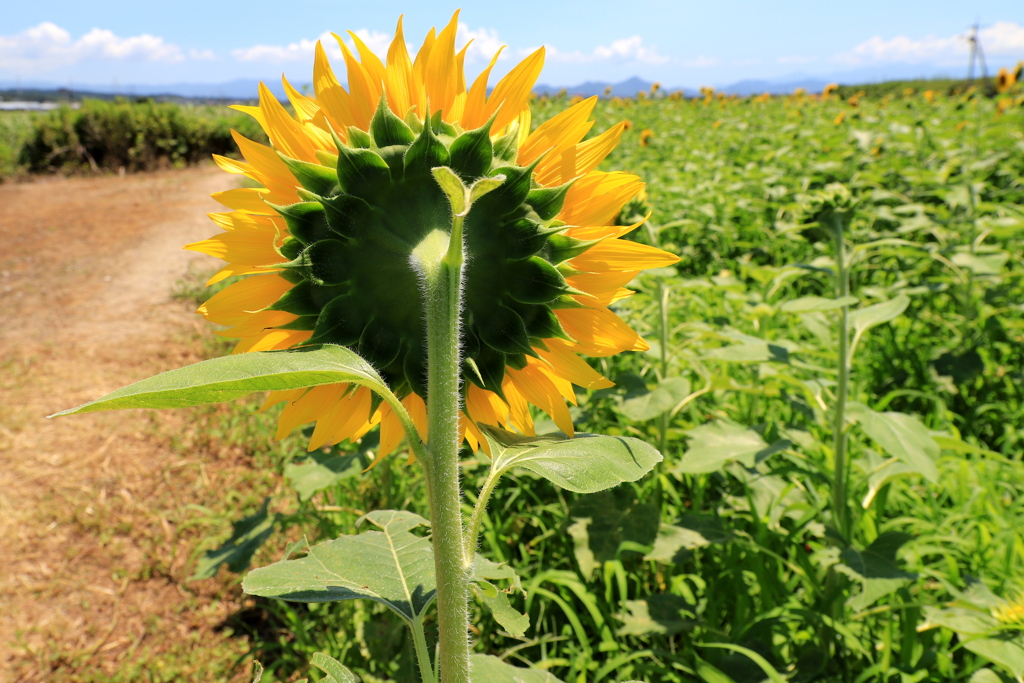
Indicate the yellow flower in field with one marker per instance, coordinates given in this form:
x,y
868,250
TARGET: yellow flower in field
x,y
607,90
929,96
1011,612
1002,105
1005,79
839,119
627,124
645,136
907,92
854,100
828,90
763,97
346,192
655,87
717,124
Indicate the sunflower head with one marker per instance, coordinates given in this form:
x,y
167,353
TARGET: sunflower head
x,y
349,193
1005,79
645,137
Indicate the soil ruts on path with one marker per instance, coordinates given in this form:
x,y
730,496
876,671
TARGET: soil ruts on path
x,y
94,546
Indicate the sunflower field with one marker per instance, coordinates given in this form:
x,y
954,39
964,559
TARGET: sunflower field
x,y
774,346
828,296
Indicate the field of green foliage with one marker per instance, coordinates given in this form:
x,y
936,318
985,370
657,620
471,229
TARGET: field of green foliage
x,y
835,380
110,135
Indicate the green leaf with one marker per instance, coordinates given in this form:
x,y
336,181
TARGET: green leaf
x,y
806,304
230,377
585,464
692,532
710,674
497,602
451,184
489,669
1008,654
982,264
985,676
901,436
880,472
601,524
717,443
391,566
863,319
878,560
661,399
336,673
751,352
322,470
247,536
969,621
662,614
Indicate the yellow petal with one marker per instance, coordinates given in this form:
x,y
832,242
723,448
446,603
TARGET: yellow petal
x,y
391,432
333,99
616,254
519,408
398,76
284,132
234,303
599,332
512,93
351,415
541,392
232,270
305,108
275,397
440,72
272,172
485,406
272,340
559,132
371,64
557,169
256,323
417,410
565,363
233,166
476,100
248,199
596,198
252,111
247,247
364,93
309,407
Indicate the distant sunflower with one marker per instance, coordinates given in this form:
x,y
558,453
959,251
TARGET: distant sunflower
x,y
347,192
645,137
1005,79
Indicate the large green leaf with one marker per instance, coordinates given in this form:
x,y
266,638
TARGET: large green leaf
x,y
586,463
601,524
247,536
230,377
878,560
496,600
391,566
1007,653
661,399
335,672
901,436
714,444
806,304
321,470
863,319
488,669
693,531
662,614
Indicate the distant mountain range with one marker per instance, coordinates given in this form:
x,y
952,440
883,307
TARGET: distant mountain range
x,y
247,89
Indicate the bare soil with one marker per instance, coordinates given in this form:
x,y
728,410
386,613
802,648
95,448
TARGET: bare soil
x,y
100,514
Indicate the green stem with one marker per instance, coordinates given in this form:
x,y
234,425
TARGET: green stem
x,y
842,389
478,513
443,294
663,420
419,640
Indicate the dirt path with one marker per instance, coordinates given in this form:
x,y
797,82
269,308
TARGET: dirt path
x,y
93,551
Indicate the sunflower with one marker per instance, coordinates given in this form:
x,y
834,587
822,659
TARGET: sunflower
x,y
1005,79
346,192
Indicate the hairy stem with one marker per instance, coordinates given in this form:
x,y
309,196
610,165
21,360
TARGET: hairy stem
x,y
442,286
419,640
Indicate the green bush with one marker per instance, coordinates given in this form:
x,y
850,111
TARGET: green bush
x,y
136,135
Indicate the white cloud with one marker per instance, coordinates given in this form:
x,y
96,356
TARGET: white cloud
x,y
630,49
48,46
302,50
485,43
1003,38
202,55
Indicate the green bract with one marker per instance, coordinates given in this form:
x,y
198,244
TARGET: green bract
x,y
352,237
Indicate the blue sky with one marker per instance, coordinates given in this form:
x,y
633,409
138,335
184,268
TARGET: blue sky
x,y
677,43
